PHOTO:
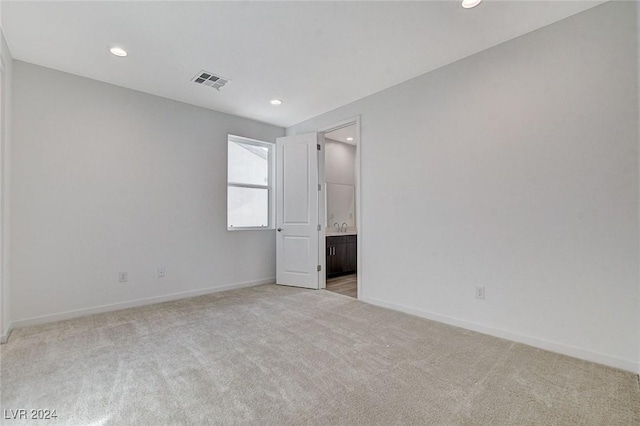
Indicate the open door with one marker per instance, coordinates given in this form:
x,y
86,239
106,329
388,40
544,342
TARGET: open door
x,y
297,221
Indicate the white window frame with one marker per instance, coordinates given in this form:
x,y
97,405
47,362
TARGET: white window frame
x,y
269,187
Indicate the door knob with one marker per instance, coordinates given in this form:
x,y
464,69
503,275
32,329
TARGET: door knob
x,y
280,229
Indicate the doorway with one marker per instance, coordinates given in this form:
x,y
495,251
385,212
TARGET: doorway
x,y
304,225
340,174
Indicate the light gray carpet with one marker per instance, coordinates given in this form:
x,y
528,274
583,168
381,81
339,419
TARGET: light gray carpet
x,y
273,355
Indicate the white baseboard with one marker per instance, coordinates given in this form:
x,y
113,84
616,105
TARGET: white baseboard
x,y
560,348
5,336
132,304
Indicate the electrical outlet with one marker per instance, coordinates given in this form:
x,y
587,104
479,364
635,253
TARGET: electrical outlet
x,y
123,277
160,272
479,292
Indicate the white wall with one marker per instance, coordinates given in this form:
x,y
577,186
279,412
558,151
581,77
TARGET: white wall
x,y
340,162
638,82
515,169
106,179
5,149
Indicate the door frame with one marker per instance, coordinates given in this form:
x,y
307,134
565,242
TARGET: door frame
x,y
321,205
3,203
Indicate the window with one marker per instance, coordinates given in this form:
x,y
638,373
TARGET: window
x,y
249,184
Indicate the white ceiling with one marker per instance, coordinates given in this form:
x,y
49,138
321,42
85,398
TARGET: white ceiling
x,y
342,134
315,56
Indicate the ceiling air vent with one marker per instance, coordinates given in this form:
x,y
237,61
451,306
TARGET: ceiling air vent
x,y
210,79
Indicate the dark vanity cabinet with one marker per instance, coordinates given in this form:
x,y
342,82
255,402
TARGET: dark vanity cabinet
x,y
342,255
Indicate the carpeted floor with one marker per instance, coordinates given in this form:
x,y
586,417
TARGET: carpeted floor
x,y
272,355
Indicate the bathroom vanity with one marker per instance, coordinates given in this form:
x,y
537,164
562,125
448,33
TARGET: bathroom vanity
x,y
342,254
341,231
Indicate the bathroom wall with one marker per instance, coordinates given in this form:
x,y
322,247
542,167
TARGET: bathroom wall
x,y
340,161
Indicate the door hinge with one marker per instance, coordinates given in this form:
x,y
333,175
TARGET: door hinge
x,y
319,268
319,187
318,145
319,228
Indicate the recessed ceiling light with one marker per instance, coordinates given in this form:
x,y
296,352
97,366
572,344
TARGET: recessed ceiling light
x,y
118,51
349,139
468,4
276,102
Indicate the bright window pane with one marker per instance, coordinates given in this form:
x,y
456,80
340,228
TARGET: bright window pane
x,y
248,164
247,207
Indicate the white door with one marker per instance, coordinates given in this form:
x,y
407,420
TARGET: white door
x,y
297,211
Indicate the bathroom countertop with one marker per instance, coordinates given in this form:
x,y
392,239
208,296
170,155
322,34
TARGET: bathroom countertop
x,y
331,233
